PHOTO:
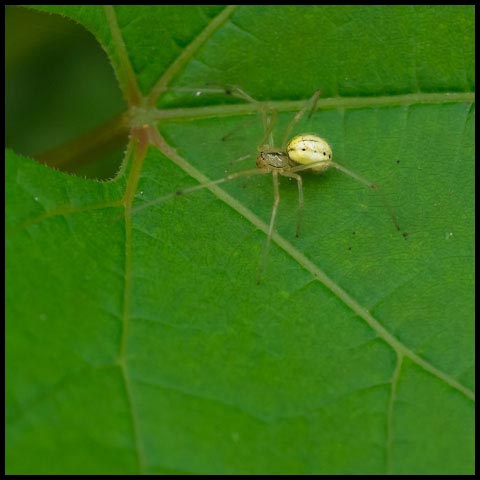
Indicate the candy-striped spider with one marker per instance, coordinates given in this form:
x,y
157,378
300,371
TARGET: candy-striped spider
x,y
300,153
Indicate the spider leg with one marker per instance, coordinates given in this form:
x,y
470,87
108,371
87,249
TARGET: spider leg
x,y
210,183
372,186
310,104
263,258
232,90
359,179
268,121
267,139
298,178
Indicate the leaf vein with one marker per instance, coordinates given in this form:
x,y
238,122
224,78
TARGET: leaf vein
x,y
126,75
188,53
390,417
322,104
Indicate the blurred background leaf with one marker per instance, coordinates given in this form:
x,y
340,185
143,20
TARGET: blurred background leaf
x,y
59,86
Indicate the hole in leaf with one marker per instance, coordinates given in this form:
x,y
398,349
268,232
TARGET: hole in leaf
x,y
63,103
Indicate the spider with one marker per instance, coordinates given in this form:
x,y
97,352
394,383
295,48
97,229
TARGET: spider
x,y
302,152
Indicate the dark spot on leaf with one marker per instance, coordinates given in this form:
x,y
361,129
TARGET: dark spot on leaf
x,y
179,192
405,235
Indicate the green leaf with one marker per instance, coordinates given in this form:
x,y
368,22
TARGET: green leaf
x,y
138,340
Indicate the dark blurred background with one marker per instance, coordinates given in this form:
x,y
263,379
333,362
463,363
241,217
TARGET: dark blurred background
x,y
61,95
